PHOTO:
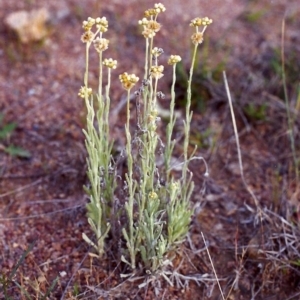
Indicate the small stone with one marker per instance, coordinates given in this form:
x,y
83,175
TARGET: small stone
x,y
30,26
62,273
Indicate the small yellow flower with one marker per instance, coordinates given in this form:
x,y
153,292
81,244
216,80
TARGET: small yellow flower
x,y
157,51
84,91
128,80
88,24
150,12
206,21
101,44
153,196
102,24
174,59
153,25
198,22
143,22
87,37
110,63
157,71
159,7
197,38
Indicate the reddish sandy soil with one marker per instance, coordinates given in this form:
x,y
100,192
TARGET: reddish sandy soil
x,y
42,203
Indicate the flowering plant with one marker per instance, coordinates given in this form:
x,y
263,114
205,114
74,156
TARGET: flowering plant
x,y
153,207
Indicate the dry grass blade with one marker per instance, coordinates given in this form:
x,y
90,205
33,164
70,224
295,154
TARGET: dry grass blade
x,y
213,267
260,212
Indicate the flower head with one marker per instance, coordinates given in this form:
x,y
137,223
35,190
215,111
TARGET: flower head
x,y
153,25
143,22
88,24
157,71
101,44
150,27
153,196
174,59
110,63
157,51
159,7
128,80
200,21
197,38
102,24
148,33
150,12
87,37
84,91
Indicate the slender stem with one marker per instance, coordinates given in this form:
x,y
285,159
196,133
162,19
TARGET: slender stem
x,y
146,59
100,76
286,98
154,95
86,66
145,95
188,115
170,126
150,53
131,188
172,104
150,65
107,101
128,109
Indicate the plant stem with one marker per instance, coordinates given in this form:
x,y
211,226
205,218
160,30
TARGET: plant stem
x,y
170,127
286,98
100,76
188,117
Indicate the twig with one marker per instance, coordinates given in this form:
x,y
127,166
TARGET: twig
x,y
21,188
70,280
41,215
212,266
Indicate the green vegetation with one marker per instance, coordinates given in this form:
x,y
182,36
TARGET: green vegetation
x,y
147,206
6,130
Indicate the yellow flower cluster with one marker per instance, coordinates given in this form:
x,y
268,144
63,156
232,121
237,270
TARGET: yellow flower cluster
x,y
110,63
157,71
151,26
159,8
88,35
153,196
201,21
197,37
128,80
84,91
150,12
174,59
88,24
102,24
157,51
100,44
